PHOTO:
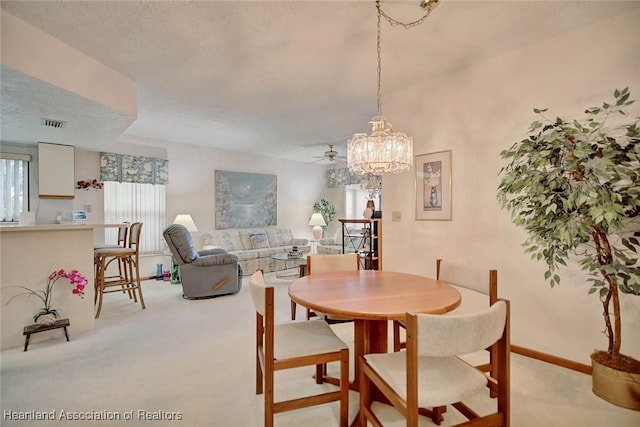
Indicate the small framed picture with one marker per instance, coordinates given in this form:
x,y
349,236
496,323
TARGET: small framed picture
x,y
79,216
433,186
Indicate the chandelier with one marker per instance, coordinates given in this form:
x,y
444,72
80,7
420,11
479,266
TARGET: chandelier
x,y
383,151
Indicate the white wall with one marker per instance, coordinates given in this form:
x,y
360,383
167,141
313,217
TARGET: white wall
x,y
478,112
190,188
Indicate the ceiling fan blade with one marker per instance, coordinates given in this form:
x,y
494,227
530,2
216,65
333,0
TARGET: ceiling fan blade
x,y
316,161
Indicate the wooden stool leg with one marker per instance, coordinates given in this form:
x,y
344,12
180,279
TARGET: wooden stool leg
x,y
137,284
100,285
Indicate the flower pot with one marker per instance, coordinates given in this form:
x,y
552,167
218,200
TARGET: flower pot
x,y
615,386
46,319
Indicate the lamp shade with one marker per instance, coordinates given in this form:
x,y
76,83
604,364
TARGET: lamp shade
x,y
317,219
318,222
187,221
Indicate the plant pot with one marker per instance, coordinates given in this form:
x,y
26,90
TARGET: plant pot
x,y
46,319
615,386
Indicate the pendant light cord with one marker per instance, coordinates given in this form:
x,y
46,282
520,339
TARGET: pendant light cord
x,y
428,6
379,50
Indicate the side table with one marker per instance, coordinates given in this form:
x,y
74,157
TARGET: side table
x,y
34,329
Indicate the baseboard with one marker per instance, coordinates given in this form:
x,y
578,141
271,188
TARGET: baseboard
x,y
550,358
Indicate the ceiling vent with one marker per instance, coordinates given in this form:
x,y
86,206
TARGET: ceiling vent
x,y
58,124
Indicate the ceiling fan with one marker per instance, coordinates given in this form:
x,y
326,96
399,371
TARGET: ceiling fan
x,y
330,155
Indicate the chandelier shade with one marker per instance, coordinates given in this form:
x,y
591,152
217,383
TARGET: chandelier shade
x,y
384,151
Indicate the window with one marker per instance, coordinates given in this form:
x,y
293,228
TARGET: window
x,y
14,191
132,202
356,201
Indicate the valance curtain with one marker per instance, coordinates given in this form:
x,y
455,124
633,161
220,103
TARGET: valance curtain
x,y
343,176
136,169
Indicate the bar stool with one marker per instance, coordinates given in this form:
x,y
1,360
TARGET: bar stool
x,y
123,232
129,257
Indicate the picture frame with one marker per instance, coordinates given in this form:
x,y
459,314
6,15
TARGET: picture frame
x,y
433,186
245,199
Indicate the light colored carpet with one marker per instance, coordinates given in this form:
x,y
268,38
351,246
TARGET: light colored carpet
x,y
194,360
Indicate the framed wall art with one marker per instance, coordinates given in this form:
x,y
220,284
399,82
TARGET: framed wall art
x,y
433,186
245,200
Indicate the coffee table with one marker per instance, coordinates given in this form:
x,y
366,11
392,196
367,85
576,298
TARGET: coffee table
x,y
284,261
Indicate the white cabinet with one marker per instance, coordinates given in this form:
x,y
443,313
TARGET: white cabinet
x,y
56,171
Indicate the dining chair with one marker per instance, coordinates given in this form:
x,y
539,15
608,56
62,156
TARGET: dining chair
x,y
465,277
130,258
324,263
293,345
461,276
429,372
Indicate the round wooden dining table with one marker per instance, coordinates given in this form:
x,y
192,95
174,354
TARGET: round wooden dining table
x,y
372,298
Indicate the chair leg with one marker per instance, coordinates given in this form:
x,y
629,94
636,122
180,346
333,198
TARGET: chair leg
x,y
436,414
365,395
396,337
493,354
259,376
293,309
100,286
320,372
269,399
138,284
344,388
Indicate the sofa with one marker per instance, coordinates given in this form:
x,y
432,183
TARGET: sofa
x,y
255,246
333,245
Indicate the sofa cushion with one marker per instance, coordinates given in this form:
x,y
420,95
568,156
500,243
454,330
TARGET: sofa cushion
x,y
227,239
267,252
280,236
245,239
259,240
245,255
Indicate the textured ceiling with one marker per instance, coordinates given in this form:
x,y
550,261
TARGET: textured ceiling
x,y
271,77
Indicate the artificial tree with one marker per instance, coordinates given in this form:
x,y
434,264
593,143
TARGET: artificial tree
x,y
574,185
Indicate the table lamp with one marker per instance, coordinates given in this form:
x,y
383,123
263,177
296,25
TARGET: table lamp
x,y
318,222
187,221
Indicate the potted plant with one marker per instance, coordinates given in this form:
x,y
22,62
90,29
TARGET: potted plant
x,y
574,185
47,315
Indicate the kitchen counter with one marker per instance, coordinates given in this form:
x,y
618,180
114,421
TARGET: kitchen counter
x,y
28,254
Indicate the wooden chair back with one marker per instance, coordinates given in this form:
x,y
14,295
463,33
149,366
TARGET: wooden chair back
x,y
464,276
323,263
123,231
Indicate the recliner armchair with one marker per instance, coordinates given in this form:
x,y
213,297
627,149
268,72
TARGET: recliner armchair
x,y
204,274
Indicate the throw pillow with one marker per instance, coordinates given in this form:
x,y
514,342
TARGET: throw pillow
x,y
259,239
